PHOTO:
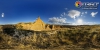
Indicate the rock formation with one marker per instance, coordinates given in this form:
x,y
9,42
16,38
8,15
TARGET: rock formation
x,y
38,25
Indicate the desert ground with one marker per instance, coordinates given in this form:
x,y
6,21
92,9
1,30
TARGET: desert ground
x,y
84,37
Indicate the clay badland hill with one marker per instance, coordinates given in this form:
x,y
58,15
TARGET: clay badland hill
x,y
38,25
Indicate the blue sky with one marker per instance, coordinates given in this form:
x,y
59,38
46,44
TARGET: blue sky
x,y
50,11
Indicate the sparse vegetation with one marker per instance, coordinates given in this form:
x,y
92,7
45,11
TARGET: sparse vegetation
x,y
74,38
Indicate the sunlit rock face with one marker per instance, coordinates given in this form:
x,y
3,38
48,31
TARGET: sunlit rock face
x,y
38,25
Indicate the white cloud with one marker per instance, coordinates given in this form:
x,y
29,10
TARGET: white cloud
x,y
74,13
63,14
66,8
89,23
2,14
85,23
86,12
93,14
82,13
57,20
